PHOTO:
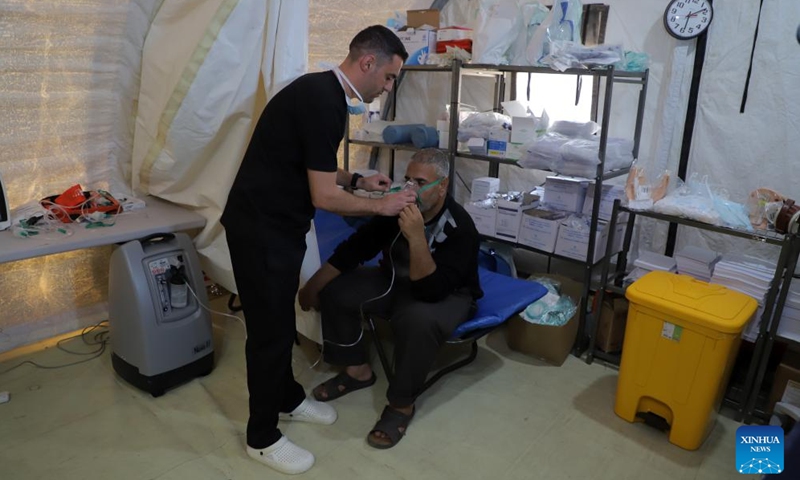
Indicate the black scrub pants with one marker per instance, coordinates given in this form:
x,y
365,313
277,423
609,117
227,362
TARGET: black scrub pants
x,y
419,328
267,273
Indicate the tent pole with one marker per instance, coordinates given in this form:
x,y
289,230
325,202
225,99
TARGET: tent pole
x,y
688,130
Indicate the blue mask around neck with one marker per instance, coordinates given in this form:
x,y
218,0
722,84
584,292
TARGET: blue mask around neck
x,y
354,106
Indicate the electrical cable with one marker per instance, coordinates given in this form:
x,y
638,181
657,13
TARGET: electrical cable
x,y
100,338
215,311
361,311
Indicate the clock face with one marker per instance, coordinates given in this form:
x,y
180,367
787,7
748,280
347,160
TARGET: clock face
x,y
686,19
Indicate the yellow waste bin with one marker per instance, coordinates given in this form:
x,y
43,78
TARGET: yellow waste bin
x,y
680,344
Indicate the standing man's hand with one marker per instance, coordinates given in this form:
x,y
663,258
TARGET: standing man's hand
x,y
375,183
412,224
394,203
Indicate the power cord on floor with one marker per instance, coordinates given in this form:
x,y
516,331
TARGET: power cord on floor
x,y
100,340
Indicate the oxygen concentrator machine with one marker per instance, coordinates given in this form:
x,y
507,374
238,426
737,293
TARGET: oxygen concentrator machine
x,y
160,333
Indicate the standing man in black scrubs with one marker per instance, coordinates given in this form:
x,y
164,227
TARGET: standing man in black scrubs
x,y
290,168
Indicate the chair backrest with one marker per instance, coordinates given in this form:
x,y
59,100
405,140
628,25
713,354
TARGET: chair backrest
x,y
498,258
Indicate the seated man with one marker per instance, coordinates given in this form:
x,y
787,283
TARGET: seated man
x,y
427,285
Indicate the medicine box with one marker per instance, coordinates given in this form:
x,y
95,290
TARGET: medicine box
x,y
496,144
539,229
483,218
482,187
608,194
565,193
509,216
573,240
419,44
523,129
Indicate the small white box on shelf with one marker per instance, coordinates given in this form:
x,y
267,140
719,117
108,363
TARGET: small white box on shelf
x,y
509,215
573,240
483,216
476,146
565,193
482,187
523,129
539,229
608,194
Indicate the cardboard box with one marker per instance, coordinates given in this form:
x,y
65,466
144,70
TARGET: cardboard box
x,y
546,342
482,187
565,193
573,242
509,216
611,325
523,129
496,148
607,196
515,151
539,229
418,18
786,385
419,44
476,146
484,218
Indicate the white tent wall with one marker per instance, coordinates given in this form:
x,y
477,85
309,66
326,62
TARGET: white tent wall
x,y
757,148
207,73
69,83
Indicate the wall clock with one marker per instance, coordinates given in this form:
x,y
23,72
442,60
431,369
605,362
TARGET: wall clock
x,y
685,19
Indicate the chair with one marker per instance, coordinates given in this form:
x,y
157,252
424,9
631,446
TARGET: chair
x,y
503,297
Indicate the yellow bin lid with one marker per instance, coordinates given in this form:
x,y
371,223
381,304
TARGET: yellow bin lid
x,y
705,304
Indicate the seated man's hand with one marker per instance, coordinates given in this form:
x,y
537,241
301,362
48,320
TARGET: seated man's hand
x,y
412,224
394,203
375,183
308,298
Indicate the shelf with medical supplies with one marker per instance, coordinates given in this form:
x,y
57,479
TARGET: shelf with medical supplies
x,y
503,76
577,245
744,391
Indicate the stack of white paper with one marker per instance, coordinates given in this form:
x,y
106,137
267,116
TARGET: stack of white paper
x,y
749,275
648,262
790,320
697,262
653,261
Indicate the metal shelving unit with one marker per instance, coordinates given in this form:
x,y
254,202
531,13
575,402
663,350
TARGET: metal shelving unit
x,y
741,396
503,75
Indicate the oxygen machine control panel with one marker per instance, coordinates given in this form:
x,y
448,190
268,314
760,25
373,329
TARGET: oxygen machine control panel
x,y
169,279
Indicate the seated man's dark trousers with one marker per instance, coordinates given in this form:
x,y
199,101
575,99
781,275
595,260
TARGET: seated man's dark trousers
x,y
419,328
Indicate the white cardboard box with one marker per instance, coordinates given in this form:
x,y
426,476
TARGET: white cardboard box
x,y
419,44
484,218
607,196
565,193
483,186
523,129
574,242
539,229
509,216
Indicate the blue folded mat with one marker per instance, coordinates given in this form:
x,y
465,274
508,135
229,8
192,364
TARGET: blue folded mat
x,y
395,134
424,137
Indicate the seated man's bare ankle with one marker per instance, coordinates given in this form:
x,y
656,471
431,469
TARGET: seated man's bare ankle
x,y
360,372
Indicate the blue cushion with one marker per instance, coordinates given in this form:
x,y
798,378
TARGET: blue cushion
x,y
503,297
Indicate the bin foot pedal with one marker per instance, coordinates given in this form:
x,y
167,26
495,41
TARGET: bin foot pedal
x,y
653,420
